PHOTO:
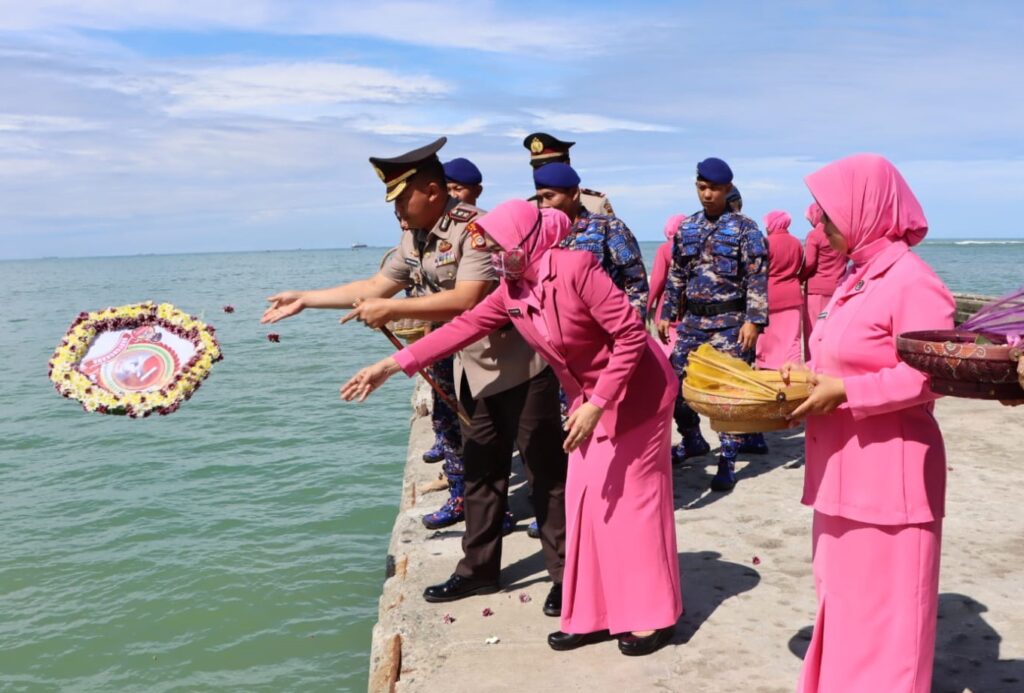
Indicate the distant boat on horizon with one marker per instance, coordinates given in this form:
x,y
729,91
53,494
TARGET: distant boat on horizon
x,y
358,245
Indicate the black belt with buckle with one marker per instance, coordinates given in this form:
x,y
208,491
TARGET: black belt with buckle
x,y
707,310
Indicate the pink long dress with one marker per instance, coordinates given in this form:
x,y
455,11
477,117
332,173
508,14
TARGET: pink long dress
x,y
621,563
875,470
780,342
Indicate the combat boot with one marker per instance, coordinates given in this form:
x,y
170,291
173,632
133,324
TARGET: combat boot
x,y
725,477
754,444
508,524
436,451
452,511
692,445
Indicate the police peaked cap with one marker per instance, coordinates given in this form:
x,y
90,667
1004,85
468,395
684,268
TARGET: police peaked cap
x,y
463,171
543,146
714,171
555,175
396,171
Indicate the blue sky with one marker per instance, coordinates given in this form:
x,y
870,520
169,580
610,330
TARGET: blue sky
x,y
204,125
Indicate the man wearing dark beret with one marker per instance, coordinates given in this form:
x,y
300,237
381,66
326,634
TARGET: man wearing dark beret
x,y
508,393
465,182
718,289
734,200
604,235
546,149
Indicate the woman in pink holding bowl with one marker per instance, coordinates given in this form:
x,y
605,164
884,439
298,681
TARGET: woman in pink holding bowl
x,y
875,465
621,565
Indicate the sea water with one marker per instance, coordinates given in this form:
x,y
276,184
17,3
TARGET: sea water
x,y
239,544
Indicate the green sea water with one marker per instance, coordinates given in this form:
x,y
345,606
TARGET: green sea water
x,y
239,544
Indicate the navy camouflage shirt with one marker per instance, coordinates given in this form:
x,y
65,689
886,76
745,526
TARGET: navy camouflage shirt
x,y
714,262
615,247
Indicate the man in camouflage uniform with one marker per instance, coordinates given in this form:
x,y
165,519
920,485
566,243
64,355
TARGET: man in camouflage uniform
x,y
604,235
545,149
718,285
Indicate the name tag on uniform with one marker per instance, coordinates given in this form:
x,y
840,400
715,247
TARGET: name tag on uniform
x,y
412,262
822,315
444,258
515,312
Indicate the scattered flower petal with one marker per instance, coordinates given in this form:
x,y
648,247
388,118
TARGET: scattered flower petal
x,y
525,598
493,640
229,309
273,337
756,561
448,619
487,612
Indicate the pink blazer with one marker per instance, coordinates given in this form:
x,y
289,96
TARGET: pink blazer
x,y
823,267
596,343
879,458
785,260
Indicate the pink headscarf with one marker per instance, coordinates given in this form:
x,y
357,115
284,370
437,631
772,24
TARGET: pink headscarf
x,y
511,224
777,221
672,225
870,203
813,214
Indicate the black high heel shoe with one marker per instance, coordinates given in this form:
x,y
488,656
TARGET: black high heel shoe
x,y
570,641
634,646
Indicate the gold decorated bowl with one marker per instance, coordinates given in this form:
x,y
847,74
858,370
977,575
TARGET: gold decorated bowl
x,y
739,410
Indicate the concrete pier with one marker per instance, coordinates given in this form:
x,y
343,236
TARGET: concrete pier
x,y
746,579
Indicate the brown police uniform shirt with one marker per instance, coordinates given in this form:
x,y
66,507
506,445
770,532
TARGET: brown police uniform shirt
x,y
432,261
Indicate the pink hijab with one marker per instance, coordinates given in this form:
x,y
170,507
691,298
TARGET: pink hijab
x,y
777,221
870,203
672,225
512,224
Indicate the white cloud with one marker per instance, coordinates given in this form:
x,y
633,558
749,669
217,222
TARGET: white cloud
x,y
469,126
296,89
590,123
485,26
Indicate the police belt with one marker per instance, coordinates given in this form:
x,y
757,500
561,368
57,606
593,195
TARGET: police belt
x,y
707,310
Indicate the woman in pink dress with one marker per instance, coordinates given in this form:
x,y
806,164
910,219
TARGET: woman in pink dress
x,y
823,267
780,342
659,277
875,464
621,566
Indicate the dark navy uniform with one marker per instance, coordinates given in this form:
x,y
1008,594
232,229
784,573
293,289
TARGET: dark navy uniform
x,y
718,280
615,247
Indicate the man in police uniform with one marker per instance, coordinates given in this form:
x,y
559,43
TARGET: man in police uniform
x,y
718,285
546,149
604,235
465,182
507,391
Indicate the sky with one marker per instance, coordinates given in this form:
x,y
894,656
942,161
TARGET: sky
x,y
205,125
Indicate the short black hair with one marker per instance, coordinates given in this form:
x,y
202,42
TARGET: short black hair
x,y
431,171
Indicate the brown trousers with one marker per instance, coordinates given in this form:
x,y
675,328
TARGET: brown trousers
x,y
527,415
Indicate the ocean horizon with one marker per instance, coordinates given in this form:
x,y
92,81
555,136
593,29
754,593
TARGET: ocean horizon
x,y
240,543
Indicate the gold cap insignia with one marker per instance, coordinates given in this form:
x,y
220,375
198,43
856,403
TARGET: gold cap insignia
x,y
536,146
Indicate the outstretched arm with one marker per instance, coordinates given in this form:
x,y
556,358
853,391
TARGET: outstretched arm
x,y
288,303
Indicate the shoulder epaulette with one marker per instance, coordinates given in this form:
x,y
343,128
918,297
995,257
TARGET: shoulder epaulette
x,y
463,214
594,193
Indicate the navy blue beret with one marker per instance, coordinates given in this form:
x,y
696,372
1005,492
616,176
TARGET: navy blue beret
x,y
555,175
733,195
463,171
714,171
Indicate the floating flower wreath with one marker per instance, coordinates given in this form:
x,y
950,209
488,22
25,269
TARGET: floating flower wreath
x,y
134,360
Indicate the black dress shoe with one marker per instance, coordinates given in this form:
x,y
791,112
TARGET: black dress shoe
x,y
553,604
570,641
633,646
458,587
